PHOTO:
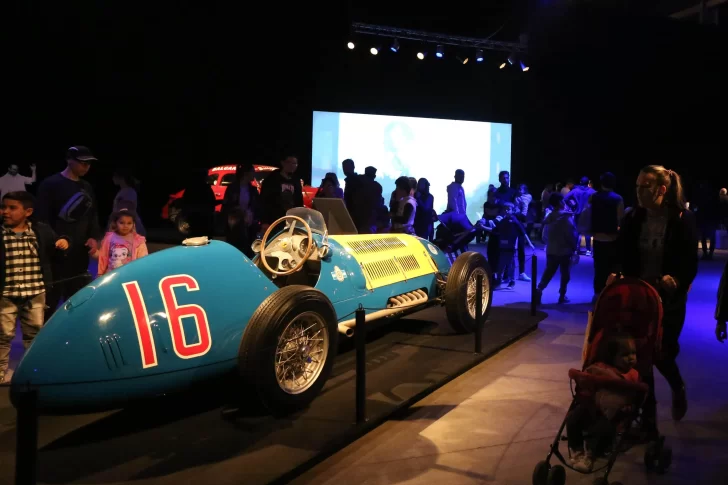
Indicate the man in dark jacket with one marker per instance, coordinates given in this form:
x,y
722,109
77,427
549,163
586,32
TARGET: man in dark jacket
x,y
26,252
280,192
607,210
721,309
67,203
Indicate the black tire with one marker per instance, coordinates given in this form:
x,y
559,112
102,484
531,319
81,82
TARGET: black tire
x,y
650,459
465,267
664,460
258,347
557,476
540,473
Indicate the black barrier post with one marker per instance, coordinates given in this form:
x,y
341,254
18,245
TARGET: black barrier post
x,y
360,336
26,435
478,313
534,279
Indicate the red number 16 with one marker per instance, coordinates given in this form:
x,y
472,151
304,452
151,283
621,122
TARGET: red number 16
x,y
175,314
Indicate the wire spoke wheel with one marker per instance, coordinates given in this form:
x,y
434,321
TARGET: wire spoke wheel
x,y
301,352
472,289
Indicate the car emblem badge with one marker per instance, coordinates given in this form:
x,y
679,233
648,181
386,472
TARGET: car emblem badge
x,y
432,248
338,275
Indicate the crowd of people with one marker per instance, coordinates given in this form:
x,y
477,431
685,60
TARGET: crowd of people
x,y
48,241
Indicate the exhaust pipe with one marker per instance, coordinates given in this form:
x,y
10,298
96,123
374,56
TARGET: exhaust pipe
x,y
395,305
346,331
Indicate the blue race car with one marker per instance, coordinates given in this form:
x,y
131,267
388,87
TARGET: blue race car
x,y
203,309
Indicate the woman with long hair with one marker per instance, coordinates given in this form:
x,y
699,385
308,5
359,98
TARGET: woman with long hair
x,y
127,198
658,243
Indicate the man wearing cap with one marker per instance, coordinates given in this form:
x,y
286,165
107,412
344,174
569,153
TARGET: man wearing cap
x,y
12,182
67,203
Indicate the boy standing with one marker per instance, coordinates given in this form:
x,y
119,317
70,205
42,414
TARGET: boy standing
x,y
26,251
561,246
510,233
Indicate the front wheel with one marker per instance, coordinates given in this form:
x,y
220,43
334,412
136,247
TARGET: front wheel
x,y
460,291
288,348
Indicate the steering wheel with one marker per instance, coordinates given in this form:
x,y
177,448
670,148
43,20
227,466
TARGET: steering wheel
x,y
285,243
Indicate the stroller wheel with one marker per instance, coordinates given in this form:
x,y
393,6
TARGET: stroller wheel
x,y
664,460
557,476
541,473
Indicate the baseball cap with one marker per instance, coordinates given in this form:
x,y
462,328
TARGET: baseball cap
x,y
80,153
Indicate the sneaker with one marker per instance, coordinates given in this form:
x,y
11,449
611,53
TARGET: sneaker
x,y
563,299
524,277
512,284
575,456
679,404
588,253
586,464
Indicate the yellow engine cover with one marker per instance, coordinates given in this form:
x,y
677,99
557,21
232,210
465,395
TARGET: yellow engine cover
x,y
387,258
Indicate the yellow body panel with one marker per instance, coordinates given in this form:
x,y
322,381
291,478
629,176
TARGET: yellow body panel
x,y
387,258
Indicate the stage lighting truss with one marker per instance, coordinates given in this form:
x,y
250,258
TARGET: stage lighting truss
x,y
440,40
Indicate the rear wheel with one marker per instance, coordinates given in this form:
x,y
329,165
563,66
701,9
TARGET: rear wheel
x,y
288,348
460,291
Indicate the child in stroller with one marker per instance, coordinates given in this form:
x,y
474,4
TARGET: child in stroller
x,y
600,411
609,394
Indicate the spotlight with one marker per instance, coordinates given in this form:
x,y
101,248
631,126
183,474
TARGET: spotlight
x,y
503,65
421,55
524,67
374,51
350,45
511,59
463,61
479,55
440,51
395,45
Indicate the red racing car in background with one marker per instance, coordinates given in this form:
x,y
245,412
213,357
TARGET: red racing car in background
x,y
219,178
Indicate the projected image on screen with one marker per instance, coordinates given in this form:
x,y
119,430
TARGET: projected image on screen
x,y
414,147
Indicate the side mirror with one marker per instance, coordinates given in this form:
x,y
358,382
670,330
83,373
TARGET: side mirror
x,y
323,251
257,245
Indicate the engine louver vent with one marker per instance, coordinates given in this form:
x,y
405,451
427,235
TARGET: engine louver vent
x,y
409,264
378,245
378,270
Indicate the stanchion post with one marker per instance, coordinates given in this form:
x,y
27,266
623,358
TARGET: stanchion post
x,y
479,313
534,279
361,366
26,436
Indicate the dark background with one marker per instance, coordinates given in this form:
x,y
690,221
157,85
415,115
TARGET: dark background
x,y
165,87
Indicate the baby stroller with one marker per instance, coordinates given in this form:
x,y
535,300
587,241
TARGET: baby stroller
x,y
628,306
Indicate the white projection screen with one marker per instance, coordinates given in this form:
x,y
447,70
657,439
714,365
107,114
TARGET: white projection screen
x,y
415,147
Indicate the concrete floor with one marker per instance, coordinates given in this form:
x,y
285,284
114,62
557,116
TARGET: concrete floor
x,y
494,423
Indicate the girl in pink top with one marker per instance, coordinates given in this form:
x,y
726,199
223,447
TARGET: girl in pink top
x,y
122,244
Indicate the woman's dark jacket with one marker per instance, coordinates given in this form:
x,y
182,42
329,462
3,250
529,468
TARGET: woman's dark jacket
x,y
680,256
